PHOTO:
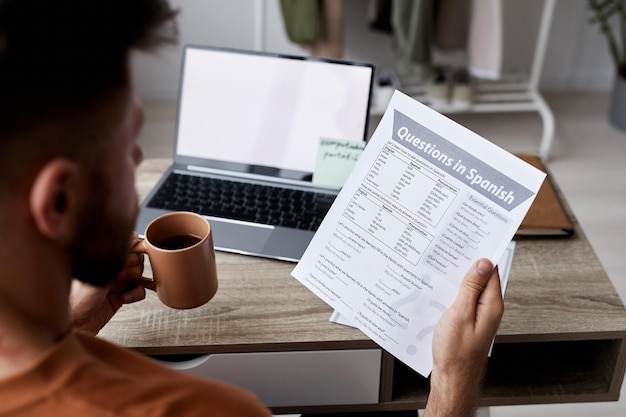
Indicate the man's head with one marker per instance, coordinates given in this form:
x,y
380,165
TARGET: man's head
x,y
57,55
69,120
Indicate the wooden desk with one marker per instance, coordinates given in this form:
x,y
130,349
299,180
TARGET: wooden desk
x,y
562,337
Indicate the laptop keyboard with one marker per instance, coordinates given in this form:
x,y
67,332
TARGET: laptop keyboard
x,y
236,200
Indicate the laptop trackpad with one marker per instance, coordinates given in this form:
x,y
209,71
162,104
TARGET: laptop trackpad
x,y
281,243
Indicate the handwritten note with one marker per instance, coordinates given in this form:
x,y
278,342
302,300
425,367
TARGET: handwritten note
x,y
335,160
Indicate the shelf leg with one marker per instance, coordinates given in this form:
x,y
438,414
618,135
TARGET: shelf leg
x,y
547,118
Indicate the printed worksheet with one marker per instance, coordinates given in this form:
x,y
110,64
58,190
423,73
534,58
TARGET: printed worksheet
x,y
425,200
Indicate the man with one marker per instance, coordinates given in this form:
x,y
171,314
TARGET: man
x,y
68,124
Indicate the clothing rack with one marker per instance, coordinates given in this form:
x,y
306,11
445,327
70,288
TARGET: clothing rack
x,y
512,93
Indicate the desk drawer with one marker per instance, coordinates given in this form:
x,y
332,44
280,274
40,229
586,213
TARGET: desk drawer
x,y
282,379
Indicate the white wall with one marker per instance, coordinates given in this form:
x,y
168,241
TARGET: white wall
x,y
577,56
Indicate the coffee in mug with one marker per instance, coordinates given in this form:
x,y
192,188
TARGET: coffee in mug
x,y
180,249
178,242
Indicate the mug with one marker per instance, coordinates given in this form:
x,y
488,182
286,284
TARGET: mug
x,y
180,249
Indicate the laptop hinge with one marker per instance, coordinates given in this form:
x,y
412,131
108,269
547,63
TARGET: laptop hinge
x,y
257,177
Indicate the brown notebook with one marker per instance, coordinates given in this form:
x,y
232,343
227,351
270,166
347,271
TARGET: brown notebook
x,y
546,216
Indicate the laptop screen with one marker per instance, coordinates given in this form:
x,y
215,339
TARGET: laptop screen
x,y
241,109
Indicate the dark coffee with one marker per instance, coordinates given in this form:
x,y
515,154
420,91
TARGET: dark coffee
x,y
178,242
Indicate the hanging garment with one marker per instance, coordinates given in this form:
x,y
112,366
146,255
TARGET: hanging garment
x,y
315,25
330,41
412,22
486,39
301,19
452,24
379,15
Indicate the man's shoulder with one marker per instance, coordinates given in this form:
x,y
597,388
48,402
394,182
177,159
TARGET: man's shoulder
x,y
137,382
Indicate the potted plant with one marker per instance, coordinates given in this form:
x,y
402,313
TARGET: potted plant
x,y
610,16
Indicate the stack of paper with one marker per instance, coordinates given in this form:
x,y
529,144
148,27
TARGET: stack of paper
x,y
425,200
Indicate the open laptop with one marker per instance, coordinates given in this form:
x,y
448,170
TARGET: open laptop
x,y
253,119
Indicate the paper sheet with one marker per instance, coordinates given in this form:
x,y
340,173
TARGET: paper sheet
x,y
426,199
504,268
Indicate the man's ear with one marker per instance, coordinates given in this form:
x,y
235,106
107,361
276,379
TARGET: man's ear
x,y
56,199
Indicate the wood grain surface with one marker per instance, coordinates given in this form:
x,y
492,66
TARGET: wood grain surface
x,y
558,290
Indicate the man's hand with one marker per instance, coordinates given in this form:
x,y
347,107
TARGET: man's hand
x,y
92,307
462,340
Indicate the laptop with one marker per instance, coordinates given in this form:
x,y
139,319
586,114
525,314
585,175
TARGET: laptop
x,y
248,128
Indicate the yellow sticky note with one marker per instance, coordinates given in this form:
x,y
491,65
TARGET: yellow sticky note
x,y
335,160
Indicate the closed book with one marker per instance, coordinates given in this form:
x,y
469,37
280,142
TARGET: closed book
x,y
547,215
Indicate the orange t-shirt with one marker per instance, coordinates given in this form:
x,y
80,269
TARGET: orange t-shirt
x,y
87,376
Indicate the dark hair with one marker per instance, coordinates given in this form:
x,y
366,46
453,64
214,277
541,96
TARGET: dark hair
x,y
64,54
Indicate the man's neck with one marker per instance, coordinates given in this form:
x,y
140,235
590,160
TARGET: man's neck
x,y
19,348
33,309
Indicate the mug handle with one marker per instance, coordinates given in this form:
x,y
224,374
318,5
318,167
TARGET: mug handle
x,y
140,247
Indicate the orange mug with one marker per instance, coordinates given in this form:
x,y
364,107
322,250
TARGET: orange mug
x,y
180,249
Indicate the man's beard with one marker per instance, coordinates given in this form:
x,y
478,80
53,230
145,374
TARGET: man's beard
x,y
100,250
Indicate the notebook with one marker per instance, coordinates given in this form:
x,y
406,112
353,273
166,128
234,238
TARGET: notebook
x,y
248,128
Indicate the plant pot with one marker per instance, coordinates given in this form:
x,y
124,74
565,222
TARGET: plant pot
x,y
617,109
